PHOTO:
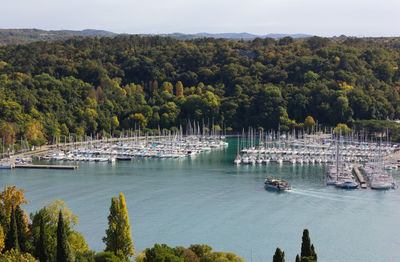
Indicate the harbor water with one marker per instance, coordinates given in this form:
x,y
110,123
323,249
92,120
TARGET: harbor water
x,y
206,199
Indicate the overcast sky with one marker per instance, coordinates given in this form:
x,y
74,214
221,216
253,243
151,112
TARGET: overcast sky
x,y
316,17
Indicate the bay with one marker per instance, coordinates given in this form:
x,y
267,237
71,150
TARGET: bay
x,y
208,200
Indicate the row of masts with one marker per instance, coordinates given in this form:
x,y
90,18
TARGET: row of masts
x,y
171,145
301,147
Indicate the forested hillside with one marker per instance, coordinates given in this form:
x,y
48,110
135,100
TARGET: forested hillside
x,y
23,36
104,85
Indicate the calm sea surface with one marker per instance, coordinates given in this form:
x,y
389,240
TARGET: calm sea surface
x,y
208,200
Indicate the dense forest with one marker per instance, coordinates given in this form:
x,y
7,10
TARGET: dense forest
x,y
104,85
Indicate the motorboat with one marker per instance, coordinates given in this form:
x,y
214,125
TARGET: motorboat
x,y
276,184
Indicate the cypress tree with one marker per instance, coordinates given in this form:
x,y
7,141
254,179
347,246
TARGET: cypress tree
x,y
118,237
41,246
63,252
313,254
279,255
307,249
21,229
12,234
306,244
298,258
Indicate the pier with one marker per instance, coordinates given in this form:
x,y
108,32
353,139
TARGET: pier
x,y
359,177
46,167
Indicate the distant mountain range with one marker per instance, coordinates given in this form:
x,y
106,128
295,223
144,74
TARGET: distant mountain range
x,y
22,36
236,36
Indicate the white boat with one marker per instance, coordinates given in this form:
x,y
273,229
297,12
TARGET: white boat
x,y
238,160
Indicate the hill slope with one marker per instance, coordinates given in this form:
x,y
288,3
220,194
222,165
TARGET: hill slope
x,y
23,36
97,85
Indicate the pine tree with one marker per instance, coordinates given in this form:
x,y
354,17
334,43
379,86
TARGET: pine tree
x,y
279,256
12,234
63,252
41,246
118,237
22,230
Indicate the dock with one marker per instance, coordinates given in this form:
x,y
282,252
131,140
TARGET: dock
x,y
359,177
46,167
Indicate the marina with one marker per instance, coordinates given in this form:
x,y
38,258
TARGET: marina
x,y
202,199
315,148
168,147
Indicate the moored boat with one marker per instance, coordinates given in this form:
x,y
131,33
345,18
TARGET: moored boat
x,y
347,184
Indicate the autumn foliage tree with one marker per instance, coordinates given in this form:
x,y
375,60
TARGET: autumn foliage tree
x,y
2,239
179,89
34,132
11,197
118,237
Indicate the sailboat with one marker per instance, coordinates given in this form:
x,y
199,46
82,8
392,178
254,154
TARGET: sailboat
x,y
238,159
340,174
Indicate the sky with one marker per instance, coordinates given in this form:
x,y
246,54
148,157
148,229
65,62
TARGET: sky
x,y
315,17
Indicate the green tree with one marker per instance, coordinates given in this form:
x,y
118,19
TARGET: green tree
x,y
77,242
12,235
164,253
341,129
307,249
53,210
63,251
41,246
224,256
15,255
23,239
118,237
306,244
3,220
279,255
106,256
87,256
309,123
7,131
202,251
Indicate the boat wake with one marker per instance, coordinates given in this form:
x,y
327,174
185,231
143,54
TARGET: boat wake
x,y
328,196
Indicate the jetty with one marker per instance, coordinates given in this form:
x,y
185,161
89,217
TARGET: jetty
x,y
46,166
360,177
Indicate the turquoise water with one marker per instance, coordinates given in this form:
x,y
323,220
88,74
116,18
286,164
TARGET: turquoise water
x,y
208,200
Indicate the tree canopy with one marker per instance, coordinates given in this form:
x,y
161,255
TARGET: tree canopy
x,y
103,85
